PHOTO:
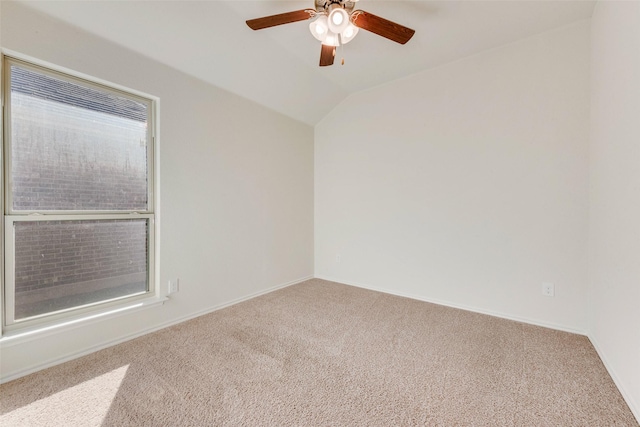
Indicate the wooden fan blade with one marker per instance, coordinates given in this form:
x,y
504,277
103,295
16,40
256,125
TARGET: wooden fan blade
x,y
382,27
281,18
327,54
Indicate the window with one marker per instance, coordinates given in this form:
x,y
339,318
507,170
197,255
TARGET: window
x,y
78,195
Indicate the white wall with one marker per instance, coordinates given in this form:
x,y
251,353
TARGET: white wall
x,y
236,188
466,184
614,232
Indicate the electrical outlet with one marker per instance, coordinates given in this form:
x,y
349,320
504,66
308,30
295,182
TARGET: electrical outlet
x,y
174,286
548,289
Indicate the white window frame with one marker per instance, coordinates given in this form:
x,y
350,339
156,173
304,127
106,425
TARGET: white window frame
x,y
12,328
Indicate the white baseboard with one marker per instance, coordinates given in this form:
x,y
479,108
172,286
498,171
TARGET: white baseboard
x,y
76,354
535,322
633,406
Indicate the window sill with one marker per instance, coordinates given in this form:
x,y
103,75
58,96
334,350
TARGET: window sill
x,y
25,335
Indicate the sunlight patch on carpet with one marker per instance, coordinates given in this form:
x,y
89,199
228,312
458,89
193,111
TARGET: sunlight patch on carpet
x,y
84,404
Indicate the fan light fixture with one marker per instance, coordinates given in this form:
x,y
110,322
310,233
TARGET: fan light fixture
x,y
319,27
349,33
334,29
338,20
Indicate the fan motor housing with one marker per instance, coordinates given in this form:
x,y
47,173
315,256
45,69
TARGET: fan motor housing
x,y
324,6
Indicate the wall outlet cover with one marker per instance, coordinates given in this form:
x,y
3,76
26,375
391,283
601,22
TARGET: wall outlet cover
x,y
174,286
548,289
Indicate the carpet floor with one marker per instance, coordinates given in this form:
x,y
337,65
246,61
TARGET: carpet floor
x,y
325,354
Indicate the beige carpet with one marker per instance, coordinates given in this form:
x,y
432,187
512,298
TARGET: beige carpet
x,y
325,354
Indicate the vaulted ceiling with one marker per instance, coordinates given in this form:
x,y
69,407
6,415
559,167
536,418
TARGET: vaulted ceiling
x,y
278,67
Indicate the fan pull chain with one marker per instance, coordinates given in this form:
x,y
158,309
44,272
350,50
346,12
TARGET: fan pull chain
x,y
341,48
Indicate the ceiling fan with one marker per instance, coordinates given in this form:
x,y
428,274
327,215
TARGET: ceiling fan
x,y
336,23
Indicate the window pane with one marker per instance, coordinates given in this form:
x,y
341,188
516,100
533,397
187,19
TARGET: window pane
x,y
65,264
75,147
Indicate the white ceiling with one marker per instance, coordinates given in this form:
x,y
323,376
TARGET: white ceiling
x,y
278,67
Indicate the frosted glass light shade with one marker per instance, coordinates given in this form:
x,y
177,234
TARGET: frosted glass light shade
x,y
349,33
331,39
338,20
319,28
